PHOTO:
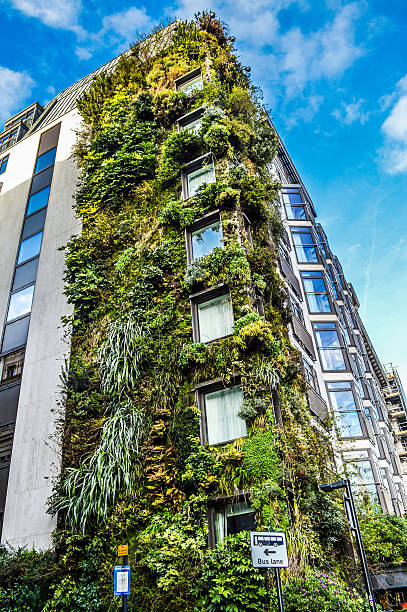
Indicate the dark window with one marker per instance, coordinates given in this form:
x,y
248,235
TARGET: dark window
x,y
190,82
204,236
192,122
49,139
38,201
3,489
315,291
296,310
9,403
3,164
34,223
25,274
29,248
45,160
233,518
15,334
42,180
329,346
294,206
347,415
198,173
311,376
304,245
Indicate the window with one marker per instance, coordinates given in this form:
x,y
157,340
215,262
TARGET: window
x,y
233,518
15,334
20,303
3,164
385,479
315,291
364,477
346,412
190,82
321,242
192,122
38,200
296,310
221,408
25,274
204,236
333,282
29,248
212,316
45,160
8,140
311,376
294,206
12,366
329,346
304,245
200,174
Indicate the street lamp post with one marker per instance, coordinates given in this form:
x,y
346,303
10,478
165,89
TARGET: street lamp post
x,y
354,525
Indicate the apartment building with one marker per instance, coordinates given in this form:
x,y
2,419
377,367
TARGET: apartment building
x,y
396,403
38,178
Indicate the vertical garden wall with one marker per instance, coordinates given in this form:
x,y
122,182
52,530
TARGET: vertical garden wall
x,y
184,416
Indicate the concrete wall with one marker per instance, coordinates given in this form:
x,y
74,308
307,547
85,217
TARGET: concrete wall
x,y
36,456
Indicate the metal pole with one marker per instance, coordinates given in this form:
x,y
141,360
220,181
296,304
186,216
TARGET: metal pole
x,y
279,590
124,597
358,535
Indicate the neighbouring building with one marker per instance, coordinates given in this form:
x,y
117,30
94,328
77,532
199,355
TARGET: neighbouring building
x,y
38,179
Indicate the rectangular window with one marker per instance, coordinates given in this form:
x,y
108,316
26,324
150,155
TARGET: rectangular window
x,y
38,200
333,282
15,334
45,160
232,519
329,346
311,376
215,318
321,242
25,274
294,206
41,180
202,175
11,366
190,82
192,122
297,310
20,303
364,478
203,237
304,245
3,164
221,409
346,412
29,248
34,223
315,291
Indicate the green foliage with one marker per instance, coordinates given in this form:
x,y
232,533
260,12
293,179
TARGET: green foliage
x,y
228,582
261,461
175,212
86,493
178,149
384,536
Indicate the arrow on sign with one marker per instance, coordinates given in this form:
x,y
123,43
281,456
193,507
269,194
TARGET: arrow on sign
x,y
269,552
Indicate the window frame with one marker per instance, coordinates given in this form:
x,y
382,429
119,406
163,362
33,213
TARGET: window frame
x,y
200,223
303,203
341,346
4,161
189,76
206,296
320,275
305,229
220,503
203,389
358,408
196,164
194,115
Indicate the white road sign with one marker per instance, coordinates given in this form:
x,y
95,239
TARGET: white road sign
x,y
269,549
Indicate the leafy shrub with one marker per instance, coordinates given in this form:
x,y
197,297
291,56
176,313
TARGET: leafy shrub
x,y
384,537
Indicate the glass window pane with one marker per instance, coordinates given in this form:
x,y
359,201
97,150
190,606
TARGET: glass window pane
x,y
38,200
191,85
20,303
332,359
194,126
240,517
15,334
45,160
292,197
327,338
348,424
195,179
343,400
206,239
3,164
318,302
42,180
215,318
34,223
295,212
25,274
29,248
222,420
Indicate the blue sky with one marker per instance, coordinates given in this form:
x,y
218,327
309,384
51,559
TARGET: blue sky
x,y
334,77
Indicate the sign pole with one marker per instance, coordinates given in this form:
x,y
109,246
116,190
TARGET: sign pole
x,y
279,590
124,597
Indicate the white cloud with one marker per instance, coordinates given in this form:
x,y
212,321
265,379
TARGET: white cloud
x,y
62,14
352,112
394,151
128,23
15,89
82,53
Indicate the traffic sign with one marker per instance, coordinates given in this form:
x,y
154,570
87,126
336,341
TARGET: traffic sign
x,y
123,550
269,549
122,580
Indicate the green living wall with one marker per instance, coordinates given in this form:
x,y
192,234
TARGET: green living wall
x,y
134,469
